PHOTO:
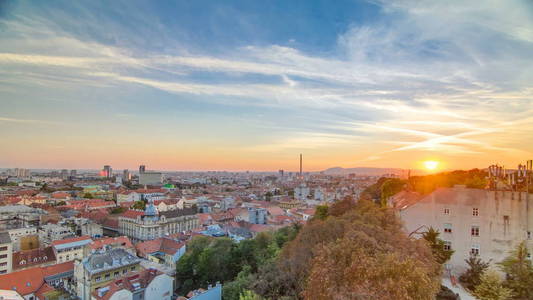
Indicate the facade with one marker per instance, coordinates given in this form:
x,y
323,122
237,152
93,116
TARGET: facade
x,y
101,268
32,258
18,233
480,222
70,249
53,232
212,293
151,224
257,215
6,253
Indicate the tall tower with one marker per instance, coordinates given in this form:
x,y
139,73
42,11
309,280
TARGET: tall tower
x,y
301,175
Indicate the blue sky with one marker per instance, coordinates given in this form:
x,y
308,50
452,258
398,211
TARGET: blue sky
x,y
248,85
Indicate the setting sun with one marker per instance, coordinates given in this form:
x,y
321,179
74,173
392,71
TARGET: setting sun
x,y
431,165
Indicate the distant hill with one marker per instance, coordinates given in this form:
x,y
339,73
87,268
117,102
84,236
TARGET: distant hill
x,y
366,171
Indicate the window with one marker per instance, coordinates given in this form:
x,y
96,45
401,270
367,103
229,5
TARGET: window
x,y
98,279
447,245
133,268
3,248
474,250
3,264
107,276
124,271
475,211
529,235
3,256
446,211
448,227
115,274
475,231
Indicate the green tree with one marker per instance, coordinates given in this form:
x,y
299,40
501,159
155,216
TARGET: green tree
x,y
321,212
249,295
472,276
491,288
88,196
140,205
437,246
519,272
389,188
232,290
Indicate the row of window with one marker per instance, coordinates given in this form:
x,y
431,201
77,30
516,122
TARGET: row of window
x,y
474,230
475,211
474,249
115,274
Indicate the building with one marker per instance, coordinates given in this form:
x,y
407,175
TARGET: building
x,y
107,172
150,178
70,249
40,282
150,224
164,251
126,175
19,234
53,232
122,242
32,258
101,268
147,284
6,253
486,223
142,169
257,215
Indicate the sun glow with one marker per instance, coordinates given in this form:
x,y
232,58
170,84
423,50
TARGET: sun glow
x,y
431,165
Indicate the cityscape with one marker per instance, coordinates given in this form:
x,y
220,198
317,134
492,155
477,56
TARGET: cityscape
x,y
265,150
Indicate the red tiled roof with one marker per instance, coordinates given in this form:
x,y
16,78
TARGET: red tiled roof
x,y
123,241
32,280
132,214
70,240
34,257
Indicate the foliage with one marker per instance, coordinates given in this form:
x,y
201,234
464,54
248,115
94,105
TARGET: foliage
x,y
88,196
118,210
446,294
249,295
210,260
474,178
472,277
140,205
60,203
362,251
268,196
321,212
519,272
389,188
341,207
437,246
491,288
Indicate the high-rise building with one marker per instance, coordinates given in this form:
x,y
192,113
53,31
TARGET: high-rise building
x,y
64,174
108,171
73,173
126,176
142,169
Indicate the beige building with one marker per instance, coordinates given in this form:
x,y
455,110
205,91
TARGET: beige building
x,y
70,249
6,253
18,233
471,221
101,268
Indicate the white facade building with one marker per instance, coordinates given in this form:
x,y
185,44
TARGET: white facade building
x,y
472,221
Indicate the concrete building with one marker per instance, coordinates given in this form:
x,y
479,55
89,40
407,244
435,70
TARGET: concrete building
x,y
212,293
150,224
301,192
479,222
53,232
257,215
101,268
19,233
6,253
70,249
164,251
150,178
144,285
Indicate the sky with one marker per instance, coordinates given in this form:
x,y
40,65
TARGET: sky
x,y
249,85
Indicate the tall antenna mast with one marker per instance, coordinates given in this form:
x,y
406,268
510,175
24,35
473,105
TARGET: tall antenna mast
x,y
301,175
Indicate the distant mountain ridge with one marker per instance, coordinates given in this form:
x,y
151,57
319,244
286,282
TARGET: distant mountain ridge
x,y
365,171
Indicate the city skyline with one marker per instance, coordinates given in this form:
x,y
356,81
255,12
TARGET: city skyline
x,y
248,86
